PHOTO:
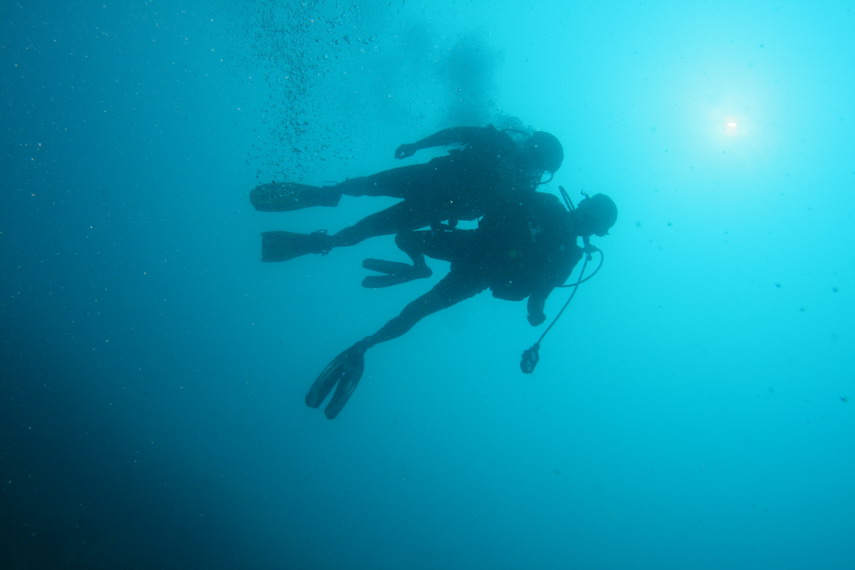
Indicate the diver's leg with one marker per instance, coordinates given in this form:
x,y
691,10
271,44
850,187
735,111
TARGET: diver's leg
x,y
345,371
282,246
397,272
453,245
413,180
447,245
452,289
396,182
288,196
398,218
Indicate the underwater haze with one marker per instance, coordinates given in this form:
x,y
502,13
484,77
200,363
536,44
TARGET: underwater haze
x,y
692,409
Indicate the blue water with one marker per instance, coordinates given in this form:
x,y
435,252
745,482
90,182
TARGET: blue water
x,y
692,409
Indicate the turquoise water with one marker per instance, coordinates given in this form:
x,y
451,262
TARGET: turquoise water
x,y
692,409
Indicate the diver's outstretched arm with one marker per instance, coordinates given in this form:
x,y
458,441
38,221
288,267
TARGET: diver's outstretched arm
x,y
462,135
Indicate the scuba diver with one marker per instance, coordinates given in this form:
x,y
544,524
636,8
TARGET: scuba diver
x,y
489,165
522,248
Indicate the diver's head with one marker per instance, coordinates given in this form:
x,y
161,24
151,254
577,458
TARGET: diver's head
x,y
545,151
595,215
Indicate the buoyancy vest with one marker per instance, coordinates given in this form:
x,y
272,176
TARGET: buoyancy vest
x,y
527,244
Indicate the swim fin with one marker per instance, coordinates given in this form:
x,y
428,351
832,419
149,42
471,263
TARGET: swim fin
x,y
396,272
289,196
282,246
343,373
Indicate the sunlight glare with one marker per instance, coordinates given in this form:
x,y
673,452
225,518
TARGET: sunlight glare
x,y
731,127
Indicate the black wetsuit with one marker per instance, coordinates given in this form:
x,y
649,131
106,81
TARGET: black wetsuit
x,y
461,185
522,248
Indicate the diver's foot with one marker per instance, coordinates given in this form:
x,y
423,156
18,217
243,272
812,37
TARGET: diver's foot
x,y
289,196
282,246
396,273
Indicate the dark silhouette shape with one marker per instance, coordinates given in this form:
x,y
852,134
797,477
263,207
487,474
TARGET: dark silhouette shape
x,y
522,248
489,166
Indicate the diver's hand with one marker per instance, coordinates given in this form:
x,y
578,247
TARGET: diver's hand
x,y
535,319
405,150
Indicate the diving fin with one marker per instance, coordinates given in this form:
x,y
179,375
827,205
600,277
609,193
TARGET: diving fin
x,y
343,374
384,266
396,273
282,246
289,196
381,281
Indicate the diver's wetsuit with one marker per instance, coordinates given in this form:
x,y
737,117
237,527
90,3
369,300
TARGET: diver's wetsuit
x,y
524,249
461,185
458,186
